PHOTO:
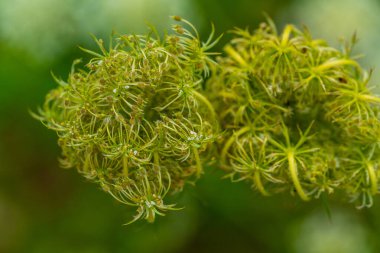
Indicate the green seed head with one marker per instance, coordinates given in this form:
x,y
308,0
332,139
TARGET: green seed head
x,y
298,115
135,120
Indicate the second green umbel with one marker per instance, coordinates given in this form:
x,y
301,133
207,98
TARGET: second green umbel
x,y
297,114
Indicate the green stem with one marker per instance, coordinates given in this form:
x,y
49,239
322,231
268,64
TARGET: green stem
x,y
231,140
156,163
198,162
286,34
259,184
294,175
372,177
156,160
206,102
86,164
125,167
335,63
369,98
235,55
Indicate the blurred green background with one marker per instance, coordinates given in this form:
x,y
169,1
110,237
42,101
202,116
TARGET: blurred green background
x,y
44,208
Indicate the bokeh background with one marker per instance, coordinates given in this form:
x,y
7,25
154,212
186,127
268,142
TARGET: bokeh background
x,y
44,208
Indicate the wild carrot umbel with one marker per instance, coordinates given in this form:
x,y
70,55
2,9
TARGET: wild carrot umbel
x,y
135,120
298,115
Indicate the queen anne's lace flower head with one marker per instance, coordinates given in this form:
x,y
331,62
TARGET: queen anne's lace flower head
x,y
135,120
298,115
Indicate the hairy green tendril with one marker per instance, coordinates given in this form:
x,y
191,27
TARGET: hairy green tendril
x,y
135,120
297,114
